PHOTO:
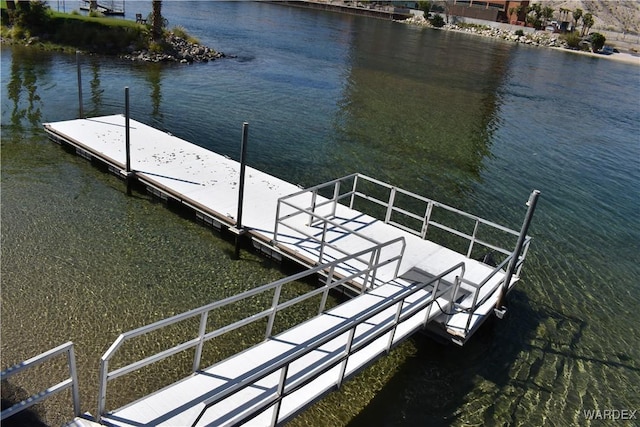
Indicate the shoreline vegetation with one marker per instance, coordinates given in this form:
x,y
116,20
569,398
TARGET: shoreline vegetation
x,y
35,24
538,38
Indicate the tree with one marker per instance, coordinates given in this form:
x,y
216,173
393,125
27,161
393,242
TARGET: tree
x,y
437,21
587,23
597,41
156,19
547,14
425,6
577,14
534,12
517,11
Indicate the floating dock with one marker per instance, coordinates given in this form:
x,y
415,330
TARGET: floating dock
x,y
355,232
108,9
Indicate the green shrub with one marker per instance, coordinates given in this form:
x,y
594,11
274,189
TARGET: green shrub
x,y
437,21
180,31
33,15
519,33
573,40
597,41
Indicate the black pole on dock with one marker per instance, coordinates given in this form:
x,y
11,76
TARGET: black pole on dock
x,y
127,140
243,161
79,84
533,200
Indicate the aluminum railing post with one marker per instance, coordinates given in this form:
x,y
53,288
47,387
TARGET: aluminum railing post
x,y
127,140
102,388
533,200
80,109
336,194
353,191
427,218
392,198
473,239
201,331
322,242
243,164
74,379
274,309
347,353
280,392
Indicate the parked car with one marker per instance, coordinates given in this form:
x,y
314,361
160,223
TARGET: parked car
x,y
607,50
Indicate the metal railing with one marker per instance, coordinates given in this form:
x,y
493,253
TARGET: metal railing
x,y
71,382
331,281
353,183
347,190
284,219
351,346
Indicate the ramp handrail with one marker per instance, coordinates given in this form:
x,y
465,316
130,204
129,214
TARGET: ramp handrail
x,y
198,342
71,382
390,206
348,325
327,223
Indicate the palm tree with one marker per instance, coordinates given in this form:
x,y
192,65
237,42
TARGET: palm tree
x,y
515,11
577,14
156,19
547,14
587,23
534,20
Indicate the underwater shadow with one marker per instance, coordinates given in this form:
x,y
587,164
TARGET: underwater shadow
x,y
430,387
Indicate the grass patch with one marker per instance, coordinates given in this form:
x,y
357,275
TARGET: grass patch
x,y
72,30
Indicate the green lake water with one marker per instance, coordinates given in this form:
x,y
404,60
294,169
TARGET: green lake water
x,y
472,122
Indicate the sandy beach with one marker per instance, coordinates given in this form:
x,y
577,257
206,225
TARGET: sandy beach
x,y
620,57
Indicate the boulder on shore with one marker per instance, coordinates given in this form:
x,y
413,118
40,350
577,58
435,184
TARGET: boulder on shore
x,y
176,49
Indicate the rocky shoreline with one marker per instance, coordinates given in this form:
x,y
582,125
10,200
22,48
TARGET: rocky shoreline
x,y
537,38
176,49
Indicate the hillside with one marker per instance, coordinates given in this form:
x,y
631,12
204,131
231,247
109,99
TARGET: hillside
x,y
622,16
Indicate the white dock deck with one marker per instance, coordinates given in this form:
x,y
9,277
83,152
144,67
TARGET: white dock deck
x,y
188,396
208,182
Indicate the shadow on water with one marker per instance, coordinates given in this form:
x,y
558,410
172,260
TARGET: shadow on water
x,y
433,387
31,417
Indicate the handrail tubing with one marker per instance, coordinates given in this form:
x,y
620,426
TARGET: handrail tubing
x,y
106,376
405,192
436,204
469,237
355,345
304,211
476,304
70,382
326,220
345,252
225,329
390,207
313,344
319,186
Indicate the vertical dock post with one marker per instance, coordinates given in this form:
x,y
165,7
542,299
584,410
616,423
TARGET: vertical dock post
x,y
127,140
243,162
79,84
533,200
